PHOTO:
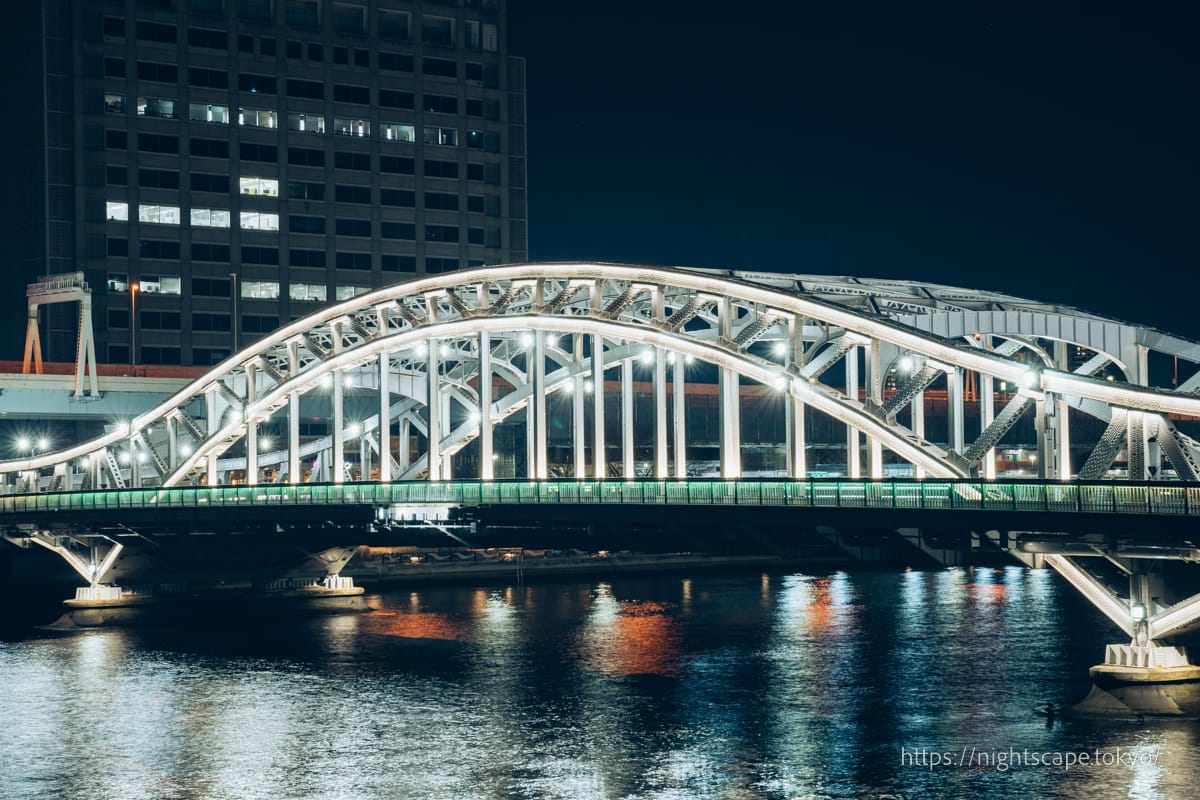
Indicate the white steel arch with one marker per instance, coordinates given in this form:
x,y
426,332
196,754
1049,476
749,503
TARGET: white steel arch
x,y
540,328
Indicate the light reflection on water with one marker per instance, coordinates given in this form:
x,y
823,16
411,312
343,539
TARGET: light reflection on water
x,y
773,686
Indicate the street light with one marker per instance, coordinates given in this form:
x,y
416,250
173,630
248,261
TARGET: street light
x,y
133,290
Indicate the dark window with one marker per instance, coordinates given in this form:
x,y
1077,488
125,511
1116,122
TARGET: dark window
x,y
298,224
316,52
474,235
353,261
393,99
266,46
440,104
302,14
260,255
397,165
310,90
210,148
114,27
114,67
395,62
306,191
441,233
475,140
306,258
256,84
202,356
349,18
116,140
214,40
152,354
353,227
210,322
439,67
256,323
341,55
404,198
215,7
152,248
398,230
437,31
353,194
441,200
159,320
152,71
156,32
212,78
474,108
118,318
116,176
473,72
475,204
158,179
474,172
352,161
258,10
210,252
435,265
210,287
398,263
362,58
203,182
441,169
117,247
306,157
259,152
156,143
393,25
245,43
294,50
351,94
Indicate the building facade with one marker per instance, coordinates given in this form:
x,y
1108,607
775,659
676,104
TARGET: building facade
x,y
218,168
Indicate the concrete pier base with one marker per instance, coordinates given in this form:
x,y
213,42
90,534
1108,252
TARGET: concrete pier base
x,y
1150,691
109,606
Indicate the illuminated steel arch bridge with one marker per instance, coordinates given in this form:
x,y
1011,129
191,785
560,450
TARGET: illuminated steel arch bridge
x,y
451,357
447,360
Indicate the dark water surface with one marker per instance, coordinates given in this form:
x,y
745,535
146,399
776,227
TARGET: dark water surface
x,y
745,686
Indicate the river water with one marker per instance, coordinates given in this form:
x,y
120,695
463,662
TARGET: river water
x,y
830,685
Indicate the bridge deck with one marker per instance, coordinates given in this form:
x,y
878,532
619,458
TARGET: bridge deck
x,y
1170,499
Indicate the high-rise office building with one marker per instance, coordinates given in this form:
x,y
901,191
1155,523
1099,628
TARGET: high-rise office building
x,y
256,158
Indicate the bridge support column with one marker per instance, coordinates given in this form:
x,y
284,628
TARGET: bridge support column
x,y
251,429
433,407
679,413
540,454
487,469
918,427
853,440
797,461
954,410
214,421
1062,417
875,400
627,465
729,390
338,425
385,418
660,414
579,412
987,414
599,454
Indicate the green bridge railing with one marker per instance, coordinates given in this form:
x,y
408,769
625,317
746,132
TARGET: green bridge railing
x,y
1099,497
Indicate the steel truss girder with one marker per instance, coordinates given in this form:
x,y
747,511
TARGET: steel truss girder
x,y
509,284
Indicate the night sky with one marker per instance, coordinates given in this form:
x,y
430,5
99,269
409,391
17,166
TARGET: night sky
x,y
1043,149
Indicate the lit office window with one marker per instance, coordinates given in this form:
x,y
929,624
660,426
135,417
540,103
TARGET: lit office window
x,y
260,290
344,126
206,112
117,211
165,284
258,118
259,221
161,215
394,132
306,123
210,218
118,282
114,103
266,187
346,292
307,292
156,107
443,136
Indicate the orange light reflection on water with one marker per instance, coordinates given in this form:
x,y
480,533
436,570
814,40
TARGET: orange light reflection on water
x,y
642,639
415,625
